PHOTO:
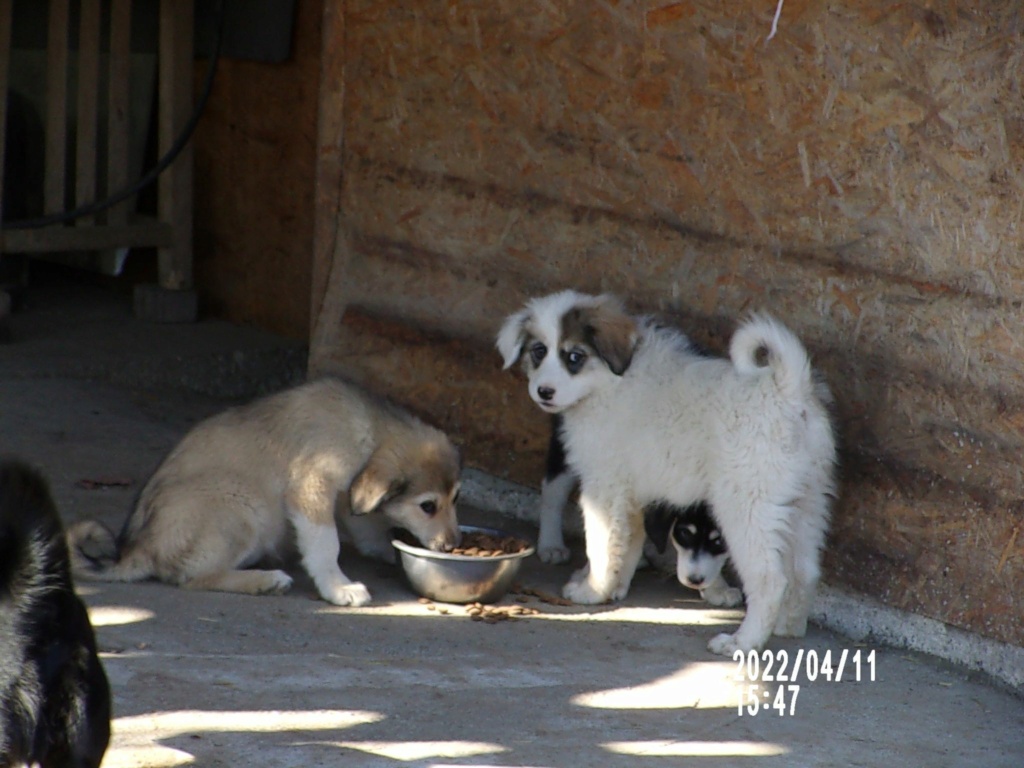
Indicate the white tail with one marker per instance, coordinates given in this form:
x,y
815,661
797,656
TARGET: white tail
x,y
764,343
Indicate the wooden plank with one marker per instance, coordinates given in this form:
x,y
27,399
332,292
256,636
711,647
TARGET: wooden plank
x,y
87,238
492,154
943,553
889,519
175,98
331,246
88,103
56,106
513,244
5,53
467,393
917,417
119,92
237,149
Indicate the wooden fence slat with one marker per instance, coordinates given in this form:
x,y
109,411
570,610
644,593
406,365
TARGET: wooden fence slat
x,y
56,106
175,97
5,54
88,106
142,234
118,106
332,247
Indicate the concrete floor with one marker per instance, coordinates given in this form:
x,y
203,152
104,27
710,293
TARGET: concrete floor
x,y
89,394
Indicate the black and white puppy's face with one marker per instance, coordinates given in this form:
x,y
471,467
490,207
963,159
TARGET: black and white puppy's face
x,y
569,345
700,548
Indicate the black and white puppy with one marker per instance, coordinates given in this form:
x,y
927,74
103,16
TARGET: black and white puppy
x,y
54,695
557,489
701,551
646,418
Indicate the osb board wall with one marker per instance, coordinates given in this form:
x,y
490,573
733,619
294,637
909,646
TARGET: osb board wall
x,y
859,175
255,156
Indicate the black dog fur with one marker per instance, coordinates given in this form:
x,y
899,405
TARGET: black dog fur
x,y
54,694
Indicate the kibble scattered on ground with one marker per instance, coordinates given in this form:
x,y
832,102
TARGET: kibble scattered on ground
x,y
492,614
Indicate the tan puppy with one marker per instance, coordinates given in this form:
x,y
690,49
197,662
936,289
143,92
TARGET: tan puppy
x,y
227,495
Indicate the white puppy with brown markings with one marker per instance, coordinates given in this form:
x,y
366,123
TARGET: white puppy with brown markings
x,y
647,419
238,484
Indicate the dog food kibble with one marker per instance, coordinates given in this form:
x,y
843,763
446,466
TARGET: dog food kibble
x,y
489,614
492,614
478,544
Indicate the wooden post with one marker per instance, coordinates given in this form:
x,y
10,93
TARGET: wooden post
x,y
5,56
118,106
56,106
88,105
175,186
172,299
332,248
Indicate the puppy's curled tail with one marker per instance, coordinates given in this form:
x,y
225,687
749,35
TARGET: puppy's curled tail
x,y
763,342
94,555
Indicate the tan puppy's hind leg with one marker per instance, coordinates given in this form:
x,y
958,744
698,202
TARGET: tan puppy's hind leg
x,y
247,582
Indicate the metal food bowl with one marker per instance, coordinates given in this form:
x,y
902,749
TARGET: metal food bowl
x,y
450,578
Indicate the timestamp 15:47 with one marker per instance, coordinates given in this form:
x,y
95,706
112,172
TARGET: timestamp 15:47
x,y
759,670
758,698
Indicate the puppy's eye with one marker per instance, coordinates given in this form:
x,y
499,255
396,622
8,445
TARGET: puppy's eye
x,y
574,359
683,537
537,353
430,507
716,544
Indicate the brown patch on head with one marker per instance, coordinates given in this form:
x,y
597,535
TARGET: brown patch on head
x,y
406,467
431,464
427,485
606,328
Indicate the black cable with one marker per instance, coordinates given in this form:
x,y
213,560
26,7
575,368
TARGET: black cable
x,y
164,163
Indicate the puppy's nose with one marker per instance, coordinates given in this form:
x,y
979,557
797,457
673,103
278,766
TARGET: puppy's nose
x,y
696,580
446,542
545,393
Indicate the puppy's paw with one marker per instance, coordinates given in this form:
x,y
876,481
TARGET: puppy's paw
x,y
553,555
723,598
579,576
620,592
267,582
583,593
276,583
724,645
354,594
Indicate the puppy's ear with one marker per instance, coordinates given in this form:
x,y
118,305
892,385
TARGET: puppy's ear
x,y
658,522
612,333
378,482
512,336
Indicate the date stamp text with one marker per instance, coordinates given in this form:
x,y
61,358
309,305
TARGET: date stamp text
x,y
771,680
